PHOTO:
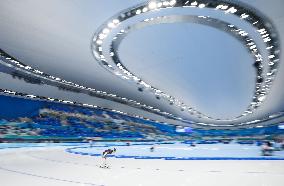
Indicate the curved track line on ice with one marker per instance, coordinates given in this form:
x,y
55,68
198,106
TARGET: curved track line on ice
x,y
31,174
179,152
47,177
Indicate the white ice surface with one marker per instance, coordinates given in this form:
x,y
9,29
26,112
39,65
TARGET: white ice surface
x,y
52,166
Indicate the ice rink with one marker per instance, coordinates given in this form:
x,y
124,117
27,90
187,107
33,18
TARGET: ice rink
x,y
135,165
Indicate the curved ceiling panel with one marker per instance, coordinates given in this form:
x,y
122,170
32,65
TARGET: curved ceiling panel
x,y
212,83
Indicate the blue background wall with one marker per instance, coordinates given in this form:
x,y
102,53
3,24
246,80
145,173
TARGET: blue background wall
x,y
12,107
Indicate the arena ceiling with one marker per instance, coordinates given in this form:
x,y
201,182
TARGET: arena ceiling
x,y
210,62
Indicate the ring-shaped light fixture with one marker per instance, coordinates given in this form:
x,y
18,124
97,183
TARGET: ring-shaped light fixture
x,y
105,48
239,34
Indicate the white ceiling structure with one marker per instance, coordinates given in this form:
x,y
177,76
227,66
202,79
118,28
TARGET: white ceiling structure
x,y
188,60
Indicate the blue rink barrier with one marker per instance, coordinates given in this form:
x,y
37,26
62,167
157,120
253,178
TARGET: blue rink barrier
x,y
225,158
124,156
72,150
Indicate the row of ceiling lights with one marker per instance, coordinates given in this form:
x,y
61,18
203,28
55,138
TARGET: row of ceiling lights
x,y
43,98
12,62
275,115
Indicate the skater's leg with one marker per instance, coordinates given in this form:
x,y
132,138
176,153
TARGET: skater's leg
x,y
104,164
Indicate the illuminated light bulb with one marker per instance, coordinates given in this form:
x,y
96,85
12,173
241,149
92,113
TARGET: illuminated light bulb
x,y
111,25
166,3
266,35
152,5
266,39
115,21
255,23
135,78
172,2
201,5
99,42
243,33
106,30
219,7
194,3
244,15
224,7
231,10
251,43
102,36
262,31
252,47
271,56
138,11
145,9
